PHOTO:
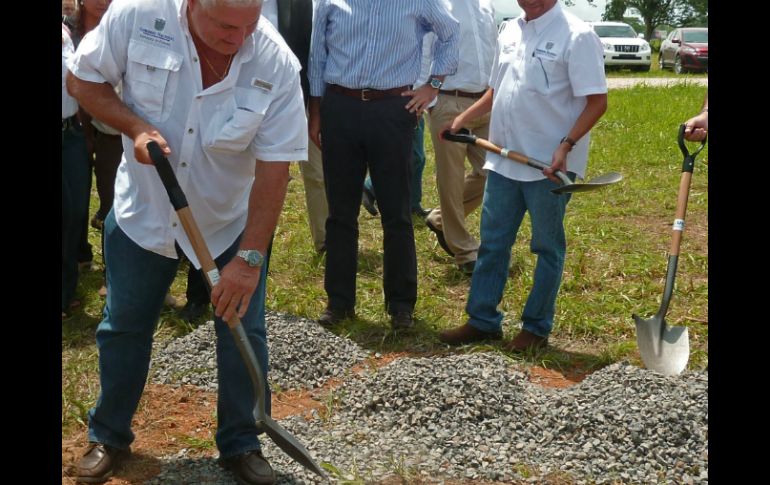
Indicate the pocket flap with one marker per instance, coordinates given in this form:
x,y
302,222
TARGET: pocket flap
x,y
154,56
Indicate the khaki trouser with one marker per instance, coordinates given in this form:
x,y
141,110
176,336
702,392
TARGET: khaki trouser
x,y
315,195
460,193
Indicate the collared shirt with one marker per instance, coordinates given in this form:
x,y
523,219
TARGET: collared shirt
x,y
542,72
215,134
69,105
478,41
377,44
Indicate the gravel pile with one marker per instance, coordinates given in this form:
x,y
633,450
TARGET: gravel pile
x,y
476,417
303,355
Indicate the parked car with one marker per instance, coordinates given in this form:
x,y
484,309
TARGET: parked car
x,y
622,46
685,49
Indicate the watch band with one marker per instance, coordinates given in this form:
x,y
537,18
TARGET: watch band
x,y
569,140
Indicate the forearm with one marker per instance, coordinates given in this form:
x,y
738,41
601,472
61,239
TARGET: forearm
x,y
265,204
101,102
479,108
595,107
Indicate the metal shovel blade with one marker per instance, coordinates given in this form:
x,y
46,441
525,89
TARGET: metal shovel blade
x,y
663,349
593,184
290,445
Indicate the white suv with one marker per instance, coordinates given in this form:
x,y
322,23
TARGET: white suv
x,y
622,47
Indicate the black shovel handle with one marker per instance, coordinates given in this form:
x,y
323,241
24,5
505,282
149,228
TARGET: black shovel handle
x,y
689,158
464,135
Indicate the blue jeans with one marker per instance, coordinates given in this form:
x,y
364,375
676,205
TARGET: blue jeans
x,y
137,282
75,178
504,206
418,165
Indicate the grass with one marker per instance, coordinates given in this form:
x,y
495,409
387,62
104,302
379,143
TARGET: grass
x,y
618,241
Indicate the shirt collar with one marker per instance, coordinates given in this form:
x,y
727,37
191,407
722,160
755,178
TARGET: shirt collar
x,y
542,22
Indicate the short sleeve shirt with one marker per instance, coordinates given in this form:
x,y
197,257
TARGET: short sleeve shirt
x,y
215,134
542,72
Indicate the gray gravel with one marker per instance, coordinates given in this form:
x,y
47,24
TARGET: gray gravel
x,y
476,416
303,355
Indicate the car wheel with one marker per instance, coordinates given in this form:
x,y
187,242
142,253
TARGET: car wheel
x,y
661,65
678,65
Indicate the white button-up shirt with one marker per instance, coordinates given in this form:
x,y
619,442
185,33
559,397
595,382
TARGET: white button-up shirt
x,y
69,105
542,72
215,135
478,41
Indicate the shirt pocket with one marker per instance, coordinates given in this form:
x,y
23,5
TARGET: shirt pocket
x,y
540,74
236,121
148,75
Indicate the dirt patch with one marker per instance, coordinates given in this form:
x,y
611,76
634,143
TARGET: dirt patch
x,y
553,378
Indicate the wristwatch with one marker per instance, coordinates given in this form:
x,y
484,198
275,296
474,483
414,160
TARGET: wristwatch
x,y
253,257
436,83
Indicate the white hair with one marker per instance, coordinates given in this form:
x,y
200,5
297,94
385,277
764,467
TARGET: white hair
x,y
206,4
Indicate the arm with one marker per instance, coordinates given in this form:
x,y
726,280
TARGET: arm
x,y
596,105
238,281
697,127
316,67
314,120
100,100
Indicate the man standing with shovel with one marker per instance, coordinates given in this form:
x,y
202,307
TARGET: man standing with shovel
x,y
547,90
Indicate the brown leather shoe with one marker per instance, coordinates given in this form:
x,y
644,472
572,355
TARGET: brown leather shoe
x,y
526,340
466,334
401,320
331,316
98,463
250,468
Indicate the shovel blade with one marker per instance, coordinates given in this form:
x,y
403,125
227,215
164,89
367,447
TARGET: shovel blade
x,y
593,184
663,349
290,445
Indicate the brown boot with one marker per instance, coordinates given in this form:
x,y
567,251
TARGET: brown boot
x,y
526,340
466,334
98,463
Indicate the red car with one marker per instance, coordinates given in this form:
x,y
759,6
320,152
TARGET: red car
x,y
685,49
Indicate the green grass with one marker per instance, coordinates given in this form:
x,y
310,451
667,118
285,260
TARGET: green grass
x,y
618,240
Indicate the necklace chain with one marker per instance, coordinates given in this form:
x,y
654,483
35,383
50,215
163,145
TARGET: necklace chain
x,y
227,68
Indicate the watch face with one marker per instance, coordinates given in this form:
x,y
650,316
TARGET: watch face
x,y
435,83
252,257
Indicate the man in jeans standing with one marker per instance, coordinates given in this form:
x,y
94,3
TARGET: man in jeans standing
x,y
547,90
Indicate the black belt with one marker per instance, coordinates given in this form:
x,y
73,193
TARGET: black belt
x,y
68,123
462,94
368,94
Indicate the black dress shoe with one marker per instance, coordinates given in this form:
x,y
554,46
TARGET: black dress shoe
x,y
368,200
99,462
421,213
193,311
440,236
467,334
467,267
250,468
331,316
401,320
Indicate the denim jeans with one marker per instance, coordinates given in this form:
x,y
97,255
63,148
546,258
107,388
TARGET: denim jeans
x,y
75,195
418,166
505,203
137,282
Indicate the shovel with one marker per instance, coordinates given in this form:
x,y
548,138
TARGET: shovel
x,y
280,436
464,135
666,349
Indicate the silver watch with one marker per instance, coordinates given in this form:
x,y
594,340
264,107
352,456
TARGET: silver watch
x,y
253,257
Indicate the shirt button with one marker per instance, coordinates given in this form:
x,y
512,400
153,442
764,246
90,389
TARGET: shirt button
x,y
195,59
198,97
173,224
184,164
190,130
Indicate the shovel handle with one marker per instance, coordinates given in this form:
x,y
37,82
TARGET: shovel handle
x,y
689,158
464,135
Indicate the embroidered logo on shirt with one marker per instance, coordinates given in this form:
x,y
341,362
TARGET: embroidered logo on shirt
x,y
547,53
160,24
263,85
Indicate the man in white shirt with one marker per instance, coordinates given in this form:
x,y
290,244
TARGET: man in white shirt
x,y
221,95
547,90
460,192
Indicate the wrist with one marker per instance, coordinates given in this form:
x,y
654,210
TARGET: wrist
x,y
568,142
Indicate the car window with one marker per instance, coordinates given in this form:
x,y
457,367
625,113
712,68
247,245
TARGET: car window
x,y
676,35
614,31
701,36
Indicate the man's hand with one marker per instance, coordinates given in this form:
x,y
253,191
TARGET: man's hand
x,y
141,140
314,120
421,98
453,126
237,283
558,162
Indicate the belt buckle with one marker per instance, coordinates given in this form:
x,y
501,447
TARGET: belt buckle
x,y
363,94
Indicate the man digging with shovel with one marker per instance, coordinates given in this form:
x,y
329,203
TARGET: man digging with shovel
x,y
547,90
